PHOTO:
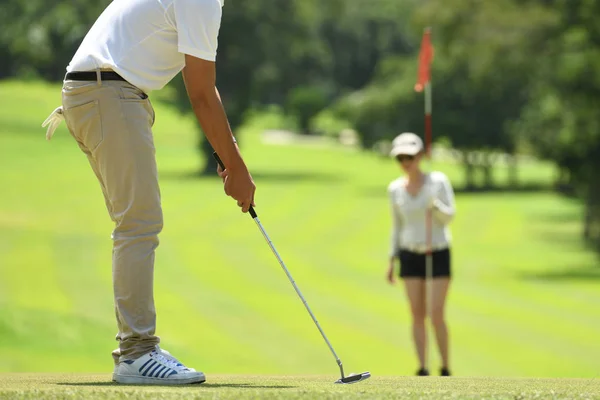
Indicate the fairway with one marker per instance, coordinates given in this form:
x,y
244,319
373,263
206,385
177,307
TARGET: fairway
x,y
524,302
71,386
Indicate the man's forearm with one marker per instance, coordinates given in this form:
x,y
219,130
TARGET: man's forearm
x,y
211,115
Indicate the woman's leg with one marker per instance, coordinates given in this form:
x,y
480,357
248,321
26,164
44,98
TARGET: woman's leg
x,y
438,299
415,291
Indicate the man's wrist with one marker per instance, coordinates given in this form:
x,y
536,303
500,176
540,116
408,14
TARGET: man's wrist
x,y
237,164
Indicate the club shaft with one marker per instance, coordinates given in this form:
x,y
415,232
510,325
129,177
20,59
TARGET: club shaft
x,y
266,236
268,239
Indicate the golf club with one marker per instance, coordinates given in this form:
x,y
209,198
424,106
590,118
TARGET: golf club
x,y
344,379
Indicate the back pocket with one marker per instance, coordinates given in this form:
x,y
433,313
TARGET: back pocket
x,y
132,93
85,124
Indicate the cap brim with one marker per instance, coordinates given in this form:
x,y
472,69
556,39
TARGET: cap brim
x,y
408,150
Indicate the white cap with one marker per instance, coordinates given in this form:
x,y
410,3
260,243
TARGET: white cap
x,y
406,143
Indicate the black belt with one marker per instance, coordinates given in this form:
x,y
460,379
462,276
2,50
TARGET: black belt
x,y
91,76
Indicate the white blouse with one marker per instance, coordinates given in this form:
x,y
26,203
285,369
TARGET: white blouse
x,y
409,214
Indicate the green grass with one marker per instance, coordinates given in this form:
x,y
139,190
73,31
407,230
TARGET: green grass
x,y
72,386
524,302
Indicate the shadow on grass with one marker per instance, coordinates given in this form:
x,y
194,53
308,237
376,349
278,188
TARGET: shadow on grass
x,y
585,273
570,242
274,176
522,188
208,385
561,217
564,241
247,385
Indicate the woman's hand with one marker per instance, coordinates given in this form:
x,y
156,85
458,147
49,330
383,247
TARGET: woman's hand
x,y
390,273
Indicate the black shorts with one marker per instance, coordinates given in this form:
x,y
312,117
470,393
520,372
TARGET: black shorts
x,y
412,265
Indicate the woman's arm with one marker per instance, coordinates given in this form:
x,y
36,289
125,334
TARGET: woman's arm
x,y
443,205
396,226
395,235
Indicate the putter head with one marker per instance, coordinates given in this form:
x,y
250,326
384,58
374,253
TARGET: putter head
x,y
354,378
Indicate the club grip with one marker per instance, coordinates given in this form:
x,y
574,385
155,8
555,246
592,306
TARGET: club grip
x,y
216,156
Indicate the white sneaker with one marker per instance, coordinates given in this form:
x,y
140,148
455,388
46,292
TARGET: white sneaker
x,y
116,354
156,368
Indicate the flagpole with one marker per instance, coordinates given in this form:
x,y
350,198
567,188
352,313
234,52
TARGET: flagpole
x,y
428,223
424,83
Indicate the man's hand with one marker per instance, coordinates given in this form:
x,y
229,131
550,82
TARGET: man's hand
x,y
242,191
239,185
222,173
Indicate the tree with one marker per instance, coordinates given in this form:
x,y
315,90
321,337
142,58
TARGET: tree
x,y
39,37
481,78
561,120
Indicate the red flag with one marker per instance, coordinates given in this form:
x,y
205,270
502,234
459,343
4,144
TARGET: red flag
x,y
425,59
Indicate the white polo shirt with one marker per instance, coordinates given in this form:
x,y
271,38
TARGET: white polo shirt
x,y
145,41
409,214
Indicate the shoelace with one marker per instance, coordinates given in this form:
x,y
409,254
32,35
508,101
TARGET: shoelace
x,y
53,121
173,364
168,355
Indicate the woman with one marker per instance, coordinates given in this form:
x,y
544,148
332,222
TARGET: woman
x,y
411,197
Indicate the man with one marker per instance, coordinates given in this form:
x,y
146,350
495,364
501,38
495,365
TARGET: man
x,y
134,47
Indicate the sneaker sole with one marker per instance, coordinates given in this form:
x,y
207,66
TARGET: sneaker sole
x,y
142,380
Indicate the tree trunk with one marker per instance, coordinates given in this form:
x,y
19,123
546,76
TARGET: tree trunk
x,y
563,175
209,166
587,220
469,171
487,169
591,226
513,172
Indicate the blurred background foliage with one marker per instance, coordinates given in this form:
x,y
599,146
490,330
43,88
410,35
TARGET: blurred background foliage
x,y
509,77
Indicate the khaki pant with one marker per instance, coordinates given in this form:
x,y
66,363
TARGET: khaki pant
x,y
112,124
